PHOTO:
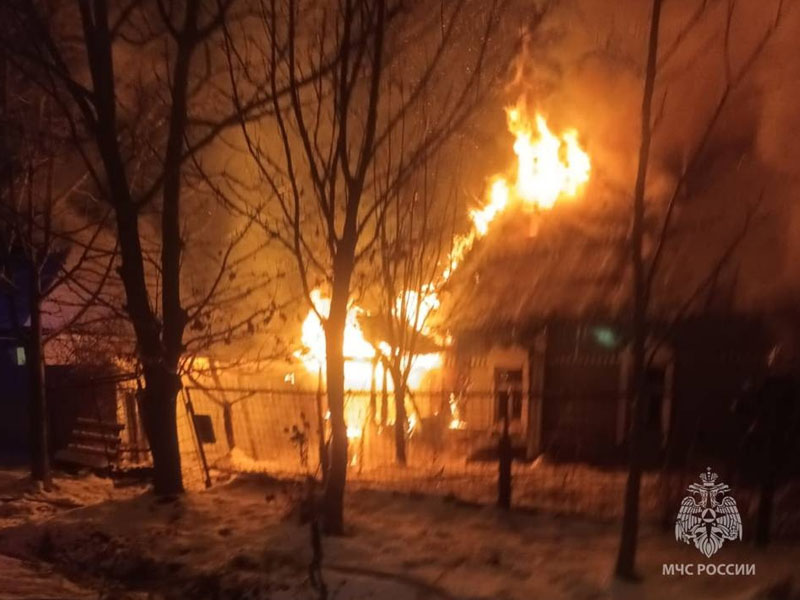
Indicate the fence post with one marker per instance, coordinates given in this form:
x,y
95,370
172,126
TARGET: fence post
x,y
504,452
187,398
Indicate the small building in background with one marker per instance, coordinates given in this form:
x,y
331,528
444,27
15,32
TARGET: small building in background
x,y
79,396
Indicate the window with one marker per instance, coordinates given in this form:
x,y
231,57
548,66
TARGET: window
x,y
20,356
508,394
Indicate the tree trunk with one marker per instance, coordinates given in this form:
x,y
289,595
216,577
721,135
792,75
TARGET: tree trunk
x,y
333,510
384,400
158,409
400,423
162,383
373,394
764,515
626,558
40,458
323,446
159,340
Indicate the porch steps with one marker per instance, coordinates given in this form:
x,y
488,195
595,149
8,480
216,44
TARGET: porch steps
x,y
93,443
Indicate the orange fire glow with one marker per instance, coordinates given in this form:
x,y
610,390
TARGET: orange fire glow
x,y
361,368
549,168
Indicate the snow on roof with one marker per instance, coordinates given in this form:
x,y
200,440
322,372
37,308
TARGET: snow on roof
x,y
575,265
535,268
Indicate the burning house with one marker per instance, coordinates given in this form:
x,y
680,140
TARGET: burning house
x,y
539,314
529,320
541,322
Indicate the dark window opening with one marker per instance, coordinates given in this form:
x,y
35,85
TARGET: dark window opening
x,y
508,394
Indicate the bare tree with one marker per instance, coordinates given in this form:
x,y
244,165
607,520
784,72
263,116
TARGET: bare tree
x,y
628,536
646,265
341,137
138,88
415,240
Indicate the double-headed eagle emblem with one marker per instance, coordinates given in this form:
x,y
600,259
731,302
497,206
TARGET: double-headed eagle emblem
x,y
708,517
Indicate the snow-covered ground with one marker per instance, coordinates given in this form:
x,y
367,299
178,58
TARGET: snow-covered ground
x,y
556,488
244,539
25,579
24,503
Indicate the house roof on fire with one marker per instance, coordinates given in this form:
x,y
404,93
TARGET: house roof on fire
x,y
531,269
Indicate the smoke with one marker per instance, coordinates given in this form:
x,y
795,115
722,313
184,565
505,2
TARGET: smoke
x,y
584,68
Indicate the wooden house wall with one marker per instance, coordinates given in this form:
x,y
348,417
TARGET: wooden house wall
x,y
716,365
581,394
579,412
473,373
578,389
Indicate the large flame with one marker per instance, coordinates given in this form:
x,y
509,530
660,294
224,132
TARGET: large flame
x,y
549,168
362,362
363,367
358,352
